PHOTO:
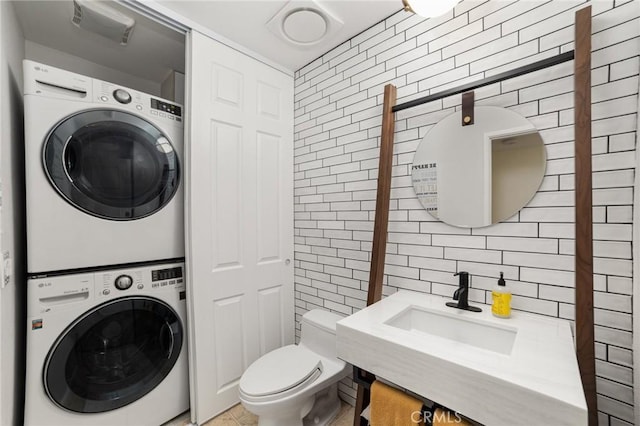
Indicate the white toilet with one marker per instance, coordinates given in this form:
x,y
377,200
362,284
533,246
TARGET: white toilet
x,y
298,384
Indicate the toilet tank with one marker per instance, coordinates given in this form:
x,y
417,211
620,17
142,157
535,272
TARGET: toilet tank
x,y
318,332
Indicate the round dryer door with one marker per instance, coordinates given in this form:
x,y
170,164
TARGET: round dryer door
x,y
113,355
111,164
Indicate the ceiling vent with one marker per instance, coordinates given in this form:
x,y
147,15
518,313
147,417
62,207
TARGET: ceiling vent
x,y
97,17
304,23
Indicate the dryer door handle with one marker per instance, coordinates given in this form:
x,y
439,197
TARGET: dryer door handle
x,y
166,339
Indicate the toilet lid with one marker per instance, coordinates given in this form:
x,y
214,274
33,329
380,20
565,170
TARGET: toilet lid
x,y
280,370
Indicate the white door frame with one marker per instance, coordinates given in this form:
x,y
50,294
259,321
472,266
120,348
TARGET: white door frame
x,y
488,162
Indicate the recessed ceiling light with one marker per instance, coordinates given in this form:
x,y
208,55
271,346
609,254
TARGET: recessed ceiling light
x,y
303,23
304,26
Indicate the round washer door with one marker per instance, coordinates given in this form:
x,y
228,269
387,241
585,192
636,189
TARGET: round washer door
x,y
111,164
113,355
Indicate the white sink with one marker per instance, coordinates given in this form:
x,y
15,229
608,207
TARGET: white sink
x,y
517,371
466,330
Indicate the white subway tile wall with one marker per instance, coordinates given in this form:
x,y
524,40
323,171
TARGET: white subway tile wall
x,y
338,101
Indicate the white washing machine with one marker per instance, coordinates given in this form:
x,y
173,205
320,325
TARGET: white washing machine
x,y
107,348
103,173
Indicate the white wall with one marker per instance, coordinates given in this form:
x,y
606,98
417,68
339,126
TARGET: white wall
x,y
59,59
12,220
338,101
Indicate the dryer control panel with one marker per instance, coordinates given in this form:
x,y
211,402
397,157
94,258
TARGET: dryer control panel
x,y
142,103
166,107
47,81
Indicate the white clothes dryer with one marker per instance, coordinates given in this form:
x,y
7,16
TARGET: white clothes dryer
x,y
103,173
107,347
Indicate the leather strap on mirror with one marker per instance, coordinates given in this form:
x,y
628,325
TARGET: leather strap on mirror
x,y
467,108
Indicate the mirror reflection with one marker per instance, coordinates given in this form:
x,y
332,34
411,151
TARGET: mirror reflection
x,y
481,174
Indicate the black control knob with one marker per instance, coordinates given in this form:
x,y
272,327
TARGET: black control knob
x,y
122,96
123,282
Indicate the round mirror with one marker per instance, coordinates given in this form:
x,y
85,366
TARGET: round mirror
x,y
480,174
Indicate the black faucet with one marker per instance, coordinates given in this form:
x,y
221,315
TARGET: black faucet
x,y
462,294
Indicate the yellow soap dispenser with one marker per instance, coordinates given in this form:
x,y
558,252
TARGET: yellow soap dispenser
x,y
501,299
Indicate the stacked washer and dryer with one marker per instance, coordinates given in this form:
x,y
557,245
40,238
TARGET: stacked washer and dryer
x,y
106,301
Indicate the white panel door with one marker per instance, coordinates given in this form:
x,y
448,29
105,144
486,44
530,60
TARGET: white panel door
x,y
239,219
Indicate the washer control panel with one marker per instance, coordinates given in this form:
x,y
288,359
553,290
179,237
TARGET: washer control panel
x,y
58,293
67,292
146,279
122,96
75,292
123,282
167,277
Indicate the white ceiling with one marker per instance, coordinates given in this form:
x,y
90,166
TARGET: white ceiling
x,y
245,22
154,50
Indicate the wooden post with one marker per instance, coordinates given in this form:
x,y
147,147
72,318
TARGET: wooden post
x,y
383,196
376,272
585,341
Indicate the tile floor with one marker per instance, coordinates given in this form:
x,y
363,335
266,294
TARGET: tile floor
x,y
238,416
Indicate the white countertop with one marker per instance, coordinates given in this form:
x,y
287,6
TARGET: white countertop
x,y
538,383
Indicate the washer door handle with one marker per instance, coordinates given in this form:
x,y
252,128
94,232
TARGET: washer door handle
x,y
166,336
69,160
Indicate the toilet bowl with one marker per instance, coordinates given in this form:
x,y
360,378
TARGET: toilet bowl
x,y
297,384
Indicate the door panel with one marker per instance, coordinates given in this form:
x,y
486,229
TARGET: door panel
x,y
268,183
226,179
227,86
268,100
271,324
239,219
229,349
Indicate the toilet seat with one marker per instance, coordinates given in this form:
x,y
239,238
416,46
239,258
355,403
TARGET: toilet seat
x,y
280,373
